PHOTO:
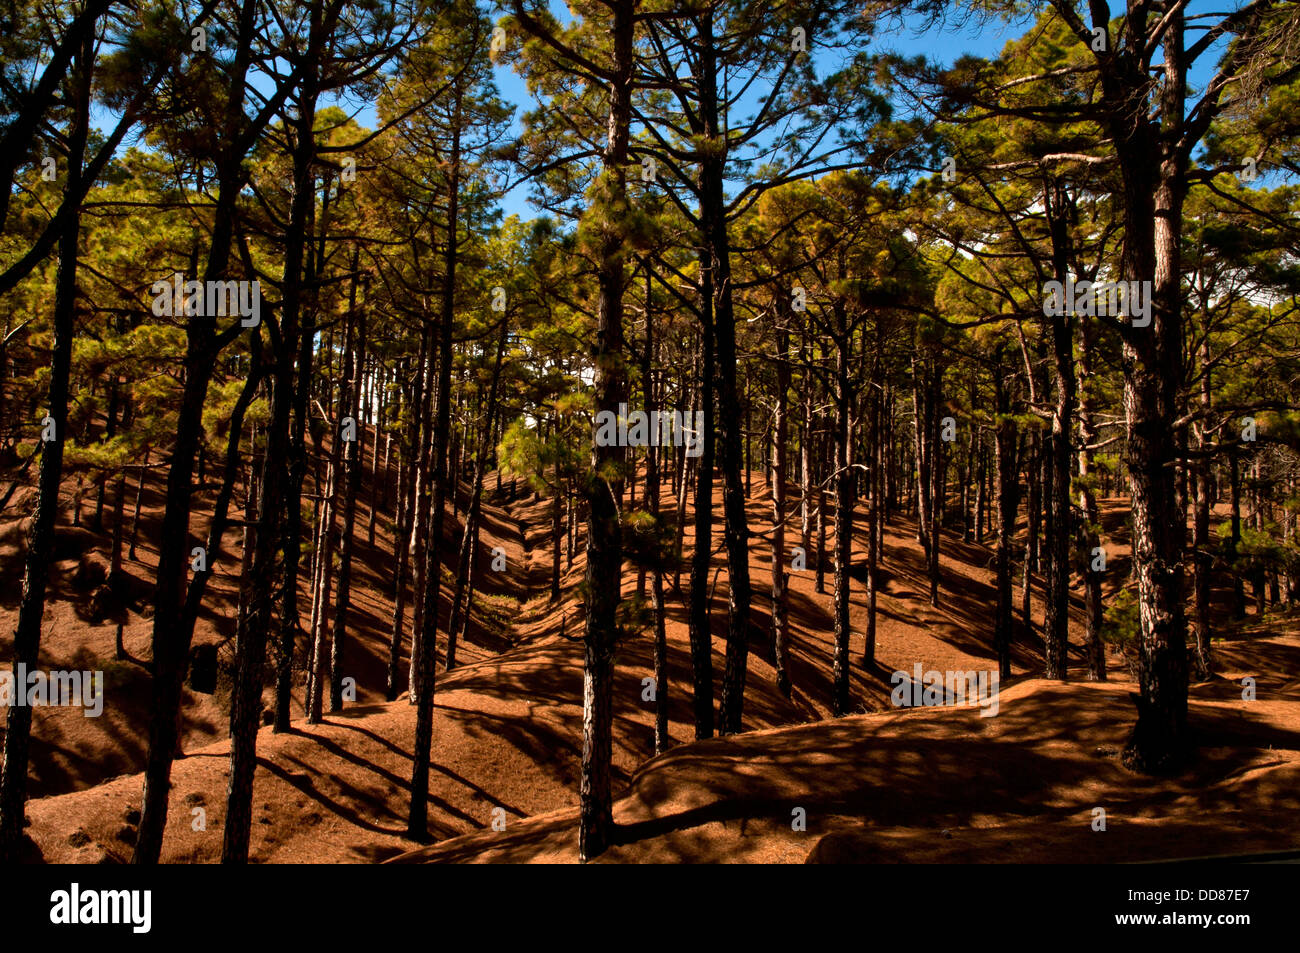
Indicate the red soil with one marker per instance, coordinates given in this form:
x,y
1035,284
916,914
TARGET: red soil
x,y
922,785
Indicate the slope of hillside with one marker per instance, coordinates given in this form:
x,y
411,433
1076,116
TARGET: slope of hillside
x,y
507,735
945,785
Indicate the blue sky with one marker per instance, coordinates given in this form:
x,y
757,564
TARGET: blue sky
x,y
938,45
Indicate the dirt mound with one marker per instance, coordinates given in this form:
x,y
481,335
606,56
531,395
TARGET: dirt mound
x,y
946,785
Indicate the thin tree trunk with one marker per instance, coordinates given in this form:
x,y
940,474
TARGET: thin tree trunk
x,y
170,650
821,541
661,737
844,487
780,651
1032,511
1091,524
324,541
700,618
466,558
281,492
1005,465
875,456
353,464
40,535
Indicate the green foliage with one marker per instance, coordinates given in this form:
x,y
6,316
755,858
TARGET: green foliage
x,y
650,542
1121,624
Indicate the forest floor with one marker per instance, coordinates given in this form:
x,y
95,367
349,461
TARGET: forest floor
x,y
919,785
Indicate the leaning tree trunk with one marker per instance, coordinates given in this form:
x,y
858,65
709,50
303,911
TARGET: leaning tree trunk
x,y
170,649
40,535
246,695
322,585
289,622
280,489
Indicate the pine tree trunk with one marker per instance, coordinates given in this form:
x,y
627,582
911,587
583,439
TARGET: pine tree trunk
x,y
1154,169
1007,472
844,486
246,695
661,737
402,532
170,657
875,455
805,444
40,535
290,622
1234,539
780,651
321,588
713,223
379,390
1094,609
281,493
470,539
921,411
557,537
353,464
1032,513
139,500
700,619
420,528
604,536
425,647
119,506
820,576
1056,626
683,474
938,491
